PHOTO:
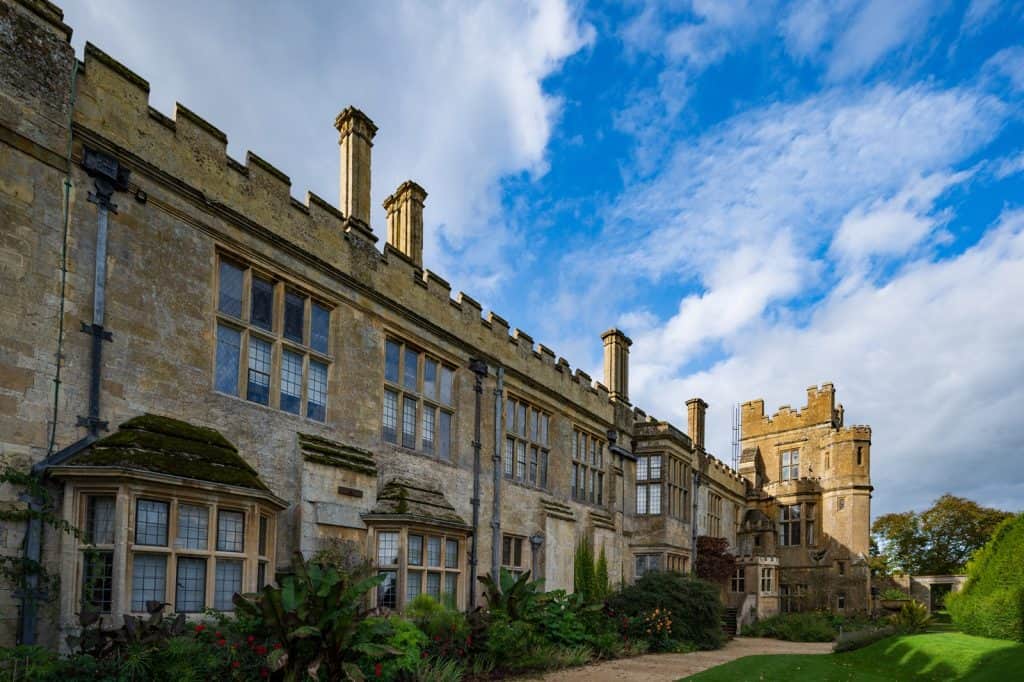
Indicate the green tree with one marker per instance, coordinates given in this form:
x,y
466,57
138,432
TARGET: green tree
x,y
583,570
601,583
938,540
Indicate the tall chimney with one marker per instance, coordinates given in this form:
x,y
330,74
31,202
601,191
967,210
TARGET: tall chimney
x,y
695,409
356,139
616,364
405,220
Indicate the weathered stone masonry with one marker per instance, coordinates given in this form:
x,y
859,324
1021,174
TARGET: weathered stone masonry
x,y
188,221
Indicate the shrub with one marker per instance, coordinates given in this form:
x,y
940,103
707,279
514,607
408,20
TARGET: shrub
x,y
912,617
446,630
894,594
696,605
858,639
810,626
991,603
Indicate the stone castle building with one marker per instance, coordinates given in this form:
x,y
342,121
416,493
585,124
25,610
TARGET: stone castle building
x,y
209,375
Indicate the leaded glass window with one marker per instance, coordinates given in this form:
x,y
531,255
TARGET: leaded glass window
x,y
190,588
422,386
149,580
193,525
230,531
227,582
151,523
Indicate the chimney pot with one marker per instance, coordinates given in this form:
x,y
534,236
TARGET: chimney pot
x,y
356,132
616,364
695,411
405,220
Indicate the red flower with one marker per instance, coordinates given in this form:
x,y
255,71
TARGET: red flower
x,y
378,670
277,645
437,638
250,639
236,664
264,672
423,654
200,627
260,650
221,642
218,635
469,641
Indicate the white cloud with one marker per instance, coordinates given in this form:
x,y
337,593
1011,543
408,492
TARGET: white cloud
x,y
455,88
979,13
880,27
930,360
1009,64
1010,165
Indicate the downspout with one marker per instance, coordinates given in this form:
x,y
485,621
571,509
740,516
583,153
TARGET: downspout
x,y
496,500
693,519
479,368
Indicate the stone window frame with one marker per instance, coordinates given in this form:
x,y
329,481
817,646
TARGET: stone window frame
x,y
789,464
644,563
276,337
530,439
738,581
515,545
790,526
677,487
420,399
127,493
588,467
713,515
677,563
767,579
402,567
647,482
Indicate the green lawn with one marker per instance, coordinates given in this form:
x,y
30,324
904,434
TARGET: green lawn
x,y
943,656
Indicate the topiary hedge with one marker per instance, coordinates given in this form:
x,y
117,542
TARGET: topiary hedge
x,y
991,603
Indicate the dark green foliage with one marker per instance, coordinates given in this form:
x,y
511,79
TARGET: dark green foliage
x,y
315,614
695,605
449,633
602,586
894,594
810,626
517,597
150,633
584,580
858,639
991,603
912,618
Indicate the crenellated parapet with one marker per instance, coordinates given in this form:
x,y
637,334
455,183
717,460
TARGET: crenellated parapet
x,y
820,409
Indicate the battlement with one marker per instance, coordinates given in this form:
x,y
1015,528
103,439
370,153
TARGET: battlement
x,y
820,409
189,154
857,432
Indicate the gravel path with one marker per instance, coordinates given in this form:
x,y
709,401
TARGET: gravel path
x,y
667,667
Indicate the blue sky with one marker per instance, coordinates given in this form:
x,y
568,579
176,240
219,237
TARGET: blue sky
x,y
764,195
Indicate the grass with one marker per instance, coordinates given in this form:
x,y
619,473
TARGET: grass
x,y
943,656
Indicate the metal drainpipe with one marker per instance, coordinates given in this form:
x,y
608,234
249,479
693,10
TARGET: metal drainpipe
x,y
496,501
693,519
479,368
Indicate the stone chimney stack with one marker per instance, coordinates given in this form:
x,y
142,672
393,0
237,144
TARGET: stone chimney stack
x,y
405,220
616,364
695,410
356,132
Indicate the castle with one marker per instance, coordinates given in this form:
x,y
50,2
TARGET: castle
x,y
210,375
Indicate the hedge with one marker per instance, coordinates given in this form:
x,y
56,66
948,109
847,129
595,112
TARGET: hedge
x,y
991,603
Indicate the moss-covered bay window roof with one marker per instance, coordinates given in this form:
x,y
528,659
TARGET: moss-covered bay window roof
x,y
160,445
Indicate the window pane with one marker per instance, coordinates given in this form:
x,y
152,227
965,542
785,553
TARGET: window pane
x,y
641,499
447,379
430,378
99,522
387,591
229,350
510,449
294,316
389,419
520,459
544,429
151,523
261,575
193,522
262,303
98,580
316,391
409,422
544,469
230,299
444,442
433,551
655,501
149,580
227,581
451,584
320,328
413,585
411,368
291,381
655,472
575,470
533,425
451,554
506,551
258,390
387,548
434,585
600,488
190,592
230,531
429,415
264,528
533,464
641,468
415,557
392,351
510,415
517,555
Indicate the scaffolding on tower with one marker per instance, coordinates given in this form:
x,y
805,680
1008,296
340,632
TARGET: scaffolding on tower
x,y
736,436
